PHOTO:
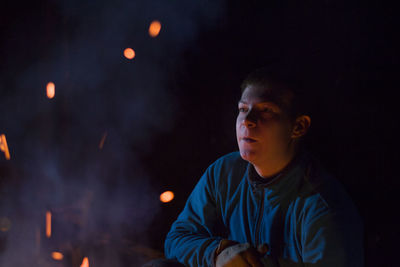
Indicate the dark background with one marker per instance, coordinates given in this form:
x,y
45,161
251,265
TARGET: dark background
x,y
170,112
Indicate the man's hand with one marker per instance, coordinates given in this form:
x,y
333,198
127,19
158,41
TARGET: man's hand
x,y
241,255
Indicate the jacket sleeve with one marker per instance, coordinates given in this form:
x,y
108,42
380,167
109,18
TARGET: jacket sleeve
x,y
332,238
193,237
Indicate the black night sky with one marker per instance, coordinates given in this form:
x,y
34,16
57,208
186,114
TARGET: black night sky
x,y
170,112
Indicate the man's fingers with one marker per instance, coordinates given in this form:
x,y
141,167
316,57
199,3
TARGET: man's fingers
x,y
241,255
252,257
262,249
238,260
232,256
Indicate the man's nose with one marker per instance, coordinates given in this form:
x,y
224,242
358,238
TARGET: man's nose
x,y
250,120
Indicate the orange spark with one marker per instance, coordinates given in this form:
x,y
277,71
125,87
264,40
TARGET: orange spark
x,y
155,28
167,196
129,53
103,139
57,256
4,146
85,262
51,90
48,224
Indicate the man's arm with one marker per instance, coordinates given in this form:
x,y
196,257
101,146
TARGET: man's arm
x,y
193,238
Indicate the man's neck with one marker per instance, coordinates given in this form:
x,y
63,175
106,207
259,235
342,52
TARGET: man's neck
x,y
274,166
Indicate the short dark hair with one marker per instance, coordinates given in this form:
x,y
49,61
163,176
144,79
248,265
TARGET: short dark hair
x,y
284,89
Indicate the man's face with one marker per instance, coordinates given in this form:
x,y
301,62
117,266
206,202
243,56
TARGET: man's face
x,y
263,129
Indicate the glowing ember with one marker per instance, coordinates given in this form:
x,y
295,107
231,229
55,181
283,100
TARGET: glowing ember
x,y
155,28
4,146
103,139
51,90
167,196
57,256
129,53
48,224
85,262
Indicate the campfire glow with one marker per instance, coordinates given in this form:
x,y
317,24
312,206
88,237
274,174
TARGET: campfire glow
x,y
4,146
167,196
51,90
155,28
129,53
57,256
48,224
85,262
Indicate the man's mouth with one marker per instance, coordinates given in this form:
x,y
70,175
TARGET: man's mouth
x,y
248,139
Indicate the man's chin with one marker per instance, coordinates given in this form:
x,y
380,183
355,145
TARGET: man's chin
x,y
248,155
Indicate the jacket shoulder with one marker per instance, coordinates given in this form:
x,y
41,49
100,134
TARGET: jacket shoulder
x,y
230,167
229,162
322,189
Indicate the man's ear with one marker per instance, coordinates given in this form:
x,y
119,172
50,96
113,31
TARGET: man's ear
x,y
301,126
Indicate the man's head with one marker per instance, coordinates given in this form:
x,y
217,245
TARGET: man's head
x,y
272,117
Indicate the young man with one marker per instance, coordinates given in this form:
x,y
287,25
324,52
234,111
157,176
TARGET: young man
x,y
271,203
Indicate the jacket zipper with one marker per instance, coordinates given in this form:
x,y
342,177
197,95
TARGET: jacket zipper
x,y
260,216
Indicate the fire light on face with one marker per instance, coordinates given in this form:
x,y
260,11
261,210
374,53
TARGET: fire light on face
x,y
4,146
155,28
167,196
51,90
48,224
129,53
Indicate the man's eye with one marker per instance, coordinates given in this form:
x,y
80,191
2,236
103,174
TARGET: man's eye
x,y
242,109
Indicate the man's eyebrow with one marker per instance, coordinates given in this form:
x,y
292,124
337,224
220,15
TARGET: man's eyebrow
x,y
259,103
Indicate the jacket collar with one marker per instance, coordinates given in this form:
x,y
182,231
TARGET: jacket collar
x,y
286,180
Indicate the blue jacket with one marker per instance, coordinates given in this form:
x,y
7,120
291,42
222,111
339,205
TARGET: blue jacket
x,y
303,214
